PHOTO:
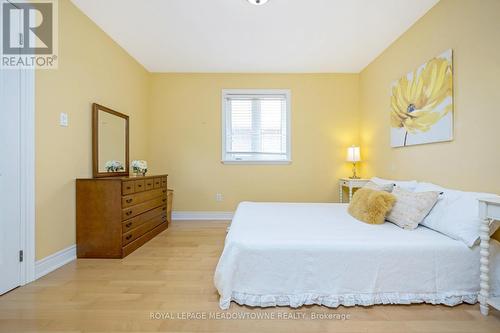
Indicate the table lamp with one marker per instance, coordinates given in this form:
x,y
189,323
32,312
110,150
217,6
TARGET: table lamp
x,y
353,156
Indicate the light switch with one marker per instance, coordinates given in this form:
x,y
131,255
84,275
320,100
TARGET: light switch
x,y
63,119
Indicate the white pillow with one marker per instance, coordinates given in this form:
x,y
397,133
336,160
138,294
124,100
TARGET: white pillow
x,y
379,187
411,207
455,213
407,184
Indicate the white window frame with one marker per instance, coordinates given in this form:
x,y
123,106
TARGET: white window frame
x,y
287,93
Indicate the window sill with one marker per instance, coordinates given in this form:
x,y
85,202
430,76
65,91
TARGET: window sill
x,y
277,162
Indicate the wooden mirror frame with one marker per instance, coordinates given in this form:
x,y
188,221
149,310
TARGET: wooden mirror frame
x,y
95,142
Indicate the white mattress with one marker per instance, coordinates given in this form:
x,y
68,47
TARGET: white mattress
x,y
292,254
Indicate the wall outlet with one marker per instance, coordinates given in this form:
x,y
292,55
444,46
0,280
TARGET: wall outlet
x,y
63,119
219,197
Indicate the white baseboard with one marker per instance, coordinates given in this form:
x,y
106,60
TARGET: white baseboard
x,y
180,216
54,261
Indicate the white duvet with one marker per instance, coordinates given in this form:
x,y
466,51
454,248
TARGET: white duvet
x,y
296,254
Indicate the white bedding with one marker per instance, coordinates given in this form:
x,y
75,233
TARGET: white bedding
x,y
296,254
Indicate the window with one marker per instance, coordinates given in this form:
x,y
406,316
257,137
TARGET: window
x,y
256,126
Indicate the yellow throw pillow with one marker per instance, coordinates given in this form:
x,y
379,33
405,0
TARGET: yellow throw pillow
x,y
371,206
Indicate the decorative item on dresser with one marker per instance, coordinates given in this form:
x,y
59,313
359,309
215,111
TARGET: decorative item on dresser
x,y
351,184
489,211
117,215
139,167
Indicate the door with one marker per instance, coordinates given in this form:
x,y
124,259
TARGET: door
x,y
10,209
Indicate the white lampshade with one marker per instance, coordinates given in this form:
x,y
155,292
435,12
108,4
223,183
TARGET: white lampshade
x,y
353,154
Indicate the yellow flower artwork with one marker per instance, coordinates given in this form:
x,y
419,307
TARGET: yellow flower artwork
x,y
422,104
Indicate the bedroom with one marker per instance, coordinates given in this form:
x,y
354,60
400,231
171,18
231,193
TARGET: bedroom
x,y
332,67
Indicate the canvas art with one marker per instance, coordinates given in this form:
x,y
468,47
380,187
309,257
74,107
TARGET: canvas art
x,y
422,104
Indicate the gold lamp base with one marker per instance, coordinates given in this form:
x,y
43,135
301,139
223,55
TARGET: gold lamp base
x,y
354,171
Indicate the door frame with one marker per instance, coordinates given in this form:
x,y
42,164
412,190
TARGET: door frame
x,y
27,175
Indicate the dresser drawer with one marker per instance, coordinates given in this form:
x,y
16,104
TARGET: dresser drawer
x,y
140,219
127,188
132,246
137,198
132,211
163,181
142,229
149,183
139,185
157,182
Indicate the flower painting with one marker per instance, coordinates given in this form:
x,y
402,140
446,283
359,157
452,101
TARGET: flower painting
x,y
422,104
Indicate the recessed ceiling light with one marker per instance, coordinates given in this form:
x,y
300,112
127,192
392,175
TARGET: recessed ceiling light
x,y
257,2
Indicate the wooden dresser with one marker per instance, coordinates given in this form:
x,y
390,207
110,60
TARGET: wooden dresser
x,y
115,216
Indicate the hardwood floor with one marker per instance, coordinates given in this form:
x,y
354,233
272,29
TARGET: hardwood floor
x,y
171,276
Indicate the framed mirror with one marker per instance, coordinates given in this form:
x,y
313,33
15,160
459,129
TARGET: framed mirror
x,y
109,142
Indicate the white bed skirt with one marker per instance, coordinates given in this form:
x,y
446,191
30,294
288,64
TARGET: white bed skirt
x,y
279,254
334,301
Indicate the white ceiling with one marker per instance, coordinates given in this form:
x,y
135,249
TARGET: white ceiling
x,y
282,36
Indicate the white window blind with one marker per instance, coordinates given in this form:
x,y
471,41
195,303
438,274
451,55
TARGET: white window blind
x,y
256,126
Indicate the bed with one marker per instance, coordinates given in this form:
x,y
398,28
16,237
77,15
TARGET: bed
x,y
294,254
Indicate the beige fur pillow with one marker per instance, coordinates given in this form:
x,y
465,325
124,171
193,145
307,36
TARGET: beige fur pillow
x,y
411,207
379,187
371,206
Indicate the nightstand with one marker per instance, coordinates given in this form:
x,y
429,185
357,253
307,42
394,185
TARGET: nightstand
x,y
351,184
489,211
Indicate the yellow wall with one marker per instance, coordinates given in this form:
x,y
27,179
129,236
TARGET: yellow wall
x,y
472,160
92,68
176,120
186,139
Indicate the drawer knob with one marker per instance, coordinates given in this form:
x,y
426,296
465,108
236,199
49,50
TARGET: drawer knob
x,y
129,200
128,225
128,187
164,200
128,237
163,208
149,184
164,191
128,213
139,185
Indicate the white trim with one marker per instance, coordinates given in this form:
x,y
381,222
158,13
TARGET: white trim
x,y
27,175
288,96
263,92
184,216
54,261
270,162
